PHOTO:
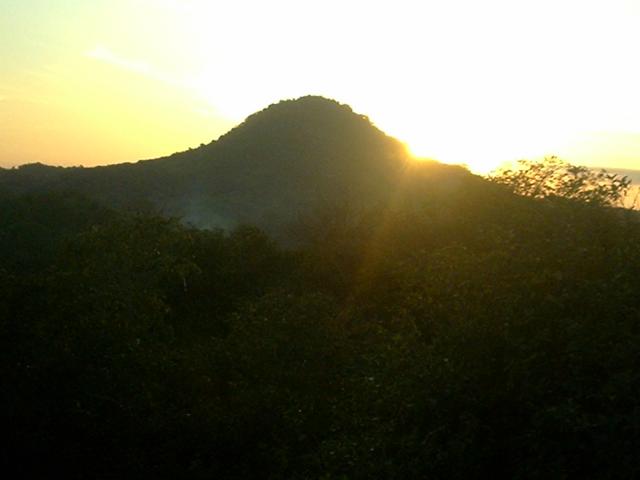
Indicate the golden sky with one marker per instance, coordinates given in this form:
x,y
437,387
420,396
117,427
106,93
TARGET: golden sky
x,y
463,81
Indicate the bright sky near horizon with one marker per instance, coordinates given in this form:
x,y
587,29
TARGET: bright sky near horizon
x,y
462,81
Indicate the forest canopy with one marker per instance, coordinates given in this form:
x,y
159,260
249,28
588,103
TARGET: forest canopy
x,y
301,299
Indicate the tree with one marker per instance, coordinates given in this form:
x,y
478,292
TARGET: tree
x,y
555,178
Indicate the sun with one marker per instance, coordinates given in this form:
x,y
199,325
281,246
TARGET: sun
x,y
483,149
478,154
476,161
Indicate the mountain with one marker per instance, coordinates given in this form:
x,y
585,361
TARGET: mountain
x,y
280,164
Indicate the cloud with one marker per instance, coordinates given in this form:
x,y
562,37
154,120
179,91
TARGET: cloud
x,y
104,54
140,67
196,88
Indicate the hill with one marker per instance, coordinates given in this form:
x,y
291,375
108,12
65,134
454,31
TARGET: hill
x,y
281,163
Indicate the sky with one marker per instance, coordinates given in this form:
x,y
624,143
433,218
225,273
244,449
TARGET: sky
x,y
94,82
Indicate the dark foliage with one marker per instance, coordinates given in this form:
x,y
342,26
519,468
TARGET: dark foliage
x,y
494,336
445,329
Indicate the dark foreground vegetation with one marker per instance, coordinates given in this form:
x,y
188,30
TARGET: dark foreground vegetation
x,y
476,335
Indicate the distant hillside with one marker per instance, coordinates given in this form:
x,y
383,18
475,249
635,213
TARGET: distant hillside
x,y
281,163
633,197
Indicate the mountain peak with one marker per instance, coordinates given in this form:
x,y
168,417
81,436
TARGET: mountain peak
x,y
315,103
307,115
311,133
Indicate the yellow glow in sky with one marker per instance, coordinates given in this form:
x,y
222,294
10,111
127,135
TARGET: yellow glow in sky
x,y
460,81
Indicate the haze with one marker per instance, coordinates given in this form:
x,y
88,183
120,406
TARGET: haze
x,y
460,81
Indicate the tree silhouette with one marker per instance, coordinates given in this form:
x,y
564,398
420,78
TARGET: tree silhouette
x,y
553,178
